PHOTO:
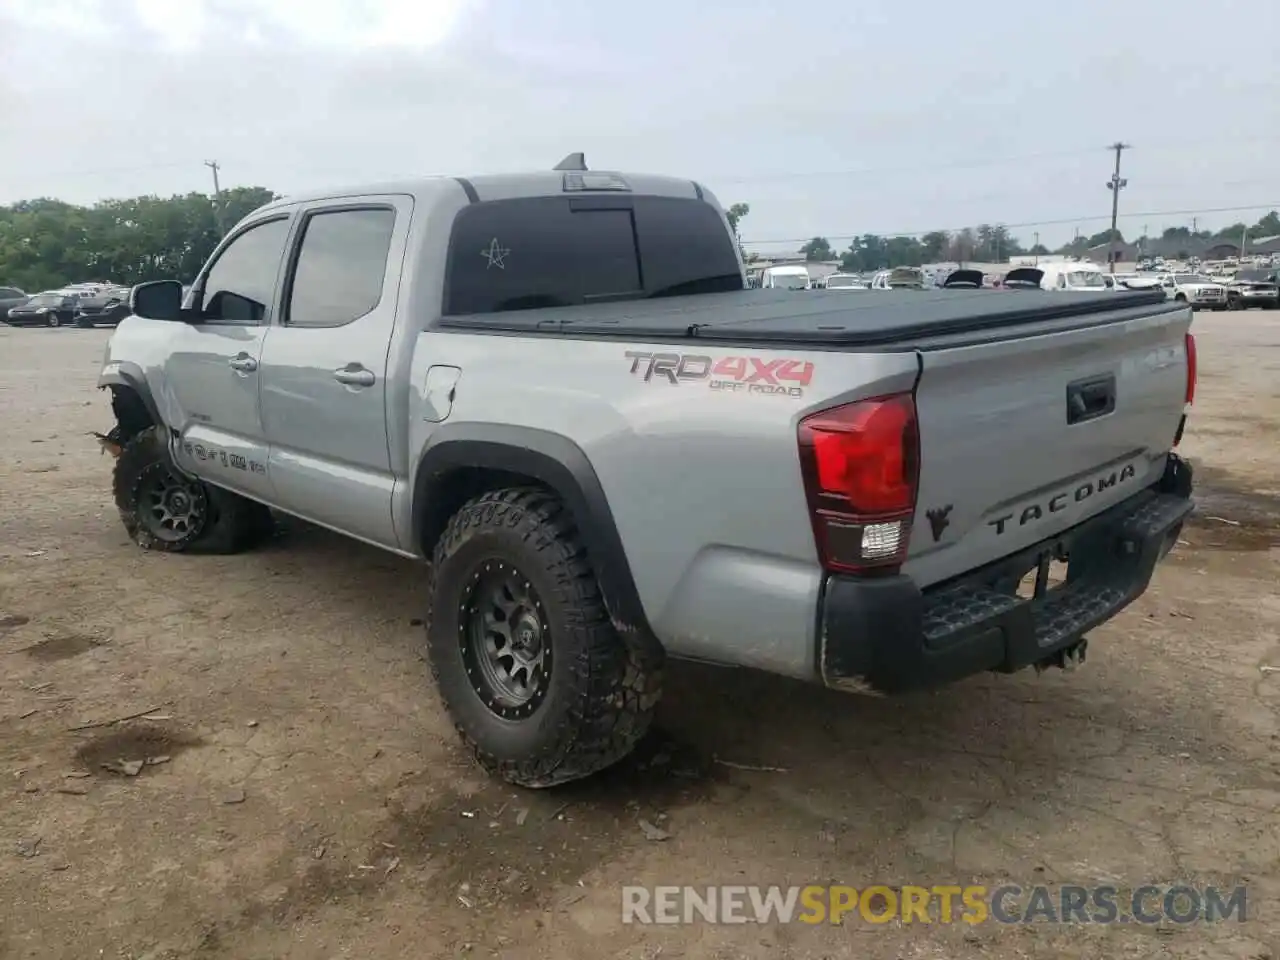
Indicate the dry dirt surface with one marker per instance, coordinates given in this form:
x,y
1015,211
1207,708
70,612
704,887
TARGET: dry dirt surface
x,y
244,757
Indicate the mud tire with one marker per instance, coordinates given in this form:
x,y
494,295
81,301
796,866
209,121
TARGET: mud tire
x,y
602,685
229,524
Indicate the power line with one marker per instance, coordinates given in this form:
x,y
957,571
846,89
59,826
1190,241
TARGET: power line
x,y
1057,222
790,175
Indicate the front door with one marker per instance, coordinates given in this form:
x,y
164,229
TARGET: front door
x,y
324,367
212,366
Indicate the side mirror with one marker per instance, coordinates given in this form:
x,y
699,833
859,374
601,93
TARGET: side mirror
x,y
158,300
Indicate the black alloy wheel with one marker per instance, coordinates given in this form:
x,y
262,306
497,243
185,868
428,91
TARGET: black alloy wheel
x,y
505,640
171,508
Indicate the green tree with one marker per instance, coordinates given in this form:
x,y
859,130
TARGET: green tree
x,y
934,245
818,249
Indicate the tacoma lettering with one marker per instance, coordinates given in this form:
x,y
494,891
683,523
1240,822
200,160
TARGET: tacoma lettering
x,y
1058,502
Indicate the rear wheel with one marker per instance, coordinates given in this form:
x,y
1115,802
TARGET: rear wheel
x,y
51,319
162,509
538,682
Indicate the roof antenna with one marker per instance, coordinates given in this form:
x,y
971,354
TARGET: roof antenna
x,y
574,161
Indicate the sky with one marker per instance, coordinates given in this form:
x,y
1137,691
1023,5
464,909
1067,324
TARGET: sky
x,y
828,119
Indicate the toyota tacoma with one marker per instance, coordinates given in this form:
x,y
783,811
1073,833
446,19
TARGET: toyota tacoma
x,y
555,389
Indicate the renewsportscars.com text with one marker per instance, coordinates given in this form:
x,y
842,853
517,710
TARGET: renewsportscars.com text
x,y
973,905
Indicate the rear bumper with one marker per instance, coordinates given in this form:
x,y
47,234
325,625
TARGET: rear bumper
x,y
885,635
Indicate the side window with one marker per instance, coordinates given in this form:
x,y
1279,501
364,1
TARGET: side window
x,y
1062,281
8,293
340,268
240,287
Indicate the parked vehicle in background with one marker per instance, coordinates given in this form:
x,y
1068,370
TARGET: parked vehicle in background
x,y
1023,278
108,307
1253,287
11,297
786,278
846,281
50,309
1073,277
964,279
1129,281
899,278
1195,289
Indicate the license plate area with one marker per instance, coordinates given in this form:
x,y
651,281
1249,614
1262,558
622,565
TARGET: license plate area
x,y
1046,574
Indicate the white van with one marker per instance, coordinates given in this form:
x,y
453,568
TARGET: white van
x,y
786,278
1078,277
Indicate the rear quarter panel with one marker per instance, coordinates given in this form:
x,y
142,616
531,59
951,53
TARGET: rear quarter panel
x,y
704,483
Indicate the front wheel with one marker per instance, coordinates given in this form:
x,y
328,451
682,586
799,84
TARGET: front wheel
x,y
51,319
537,680
164,510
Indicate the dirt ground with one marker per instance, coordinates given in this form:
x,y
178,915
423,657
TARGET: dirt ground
x,y
314,803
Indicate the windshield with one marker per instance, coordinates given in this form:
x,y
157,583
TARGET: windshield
x,y
842,281
1255,276
791,281
1190,278
45,300
1086,278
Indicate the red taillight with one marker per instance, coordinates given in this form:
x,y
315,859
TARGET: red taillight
x,y
1191,369
860,464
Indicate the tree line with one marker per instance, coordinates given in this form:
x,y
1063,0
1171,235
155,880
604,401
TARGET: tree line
x,y
986,243
47,243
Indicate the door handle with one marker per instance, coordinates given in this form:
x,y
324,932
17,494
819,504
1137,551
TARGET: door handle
x,y
354,375
1090,399
243,363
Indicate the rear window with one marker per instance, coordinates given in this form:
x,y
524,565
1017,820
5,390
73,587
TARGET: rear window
x,y
566,251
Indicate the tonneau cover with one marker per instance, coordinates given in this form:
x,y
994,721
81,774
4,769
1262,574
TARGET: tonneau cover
x,y
818,318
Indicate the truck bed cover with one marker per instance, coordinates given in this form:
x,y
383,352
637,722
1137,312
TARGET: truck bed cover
x,y
834,320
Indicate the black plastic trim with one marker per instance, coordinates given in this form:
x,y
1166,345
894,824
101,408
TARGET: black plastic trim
x,y
469,189
550,459
130,375
888,635
697,190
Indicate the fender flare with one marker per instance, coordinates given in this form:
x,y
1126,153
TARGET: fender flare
x,y
552,460
122,373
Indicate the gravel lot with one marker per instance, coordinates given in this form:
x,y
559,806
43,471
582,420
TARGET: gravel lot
x,y
314,804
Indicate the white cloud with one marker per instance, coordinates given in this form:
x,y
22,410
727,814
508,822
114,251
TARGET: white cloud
x,y
350,25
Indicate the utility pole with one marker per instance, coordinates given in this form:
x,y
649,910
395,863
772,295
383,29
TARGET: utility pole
x,y
217,195
1036,247
1115,185
1244,239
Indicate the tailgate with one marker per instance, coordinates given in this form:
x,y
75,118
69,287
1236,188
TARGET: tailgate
x,y
1028,435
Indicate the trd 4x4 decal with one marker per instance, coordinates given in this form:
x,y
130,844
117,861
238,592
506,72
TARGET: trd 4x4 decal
x,y
782,376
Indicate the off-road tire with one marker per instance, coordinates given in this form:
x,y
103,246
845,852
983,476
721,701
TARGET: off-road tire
x,y
232,523
604,683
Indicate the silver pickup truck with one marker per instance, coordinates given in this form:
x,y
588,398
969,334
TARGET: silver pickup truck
x,y
555,389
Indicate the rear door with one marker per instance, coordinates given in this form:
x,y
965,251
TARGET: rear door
x,y
1026,436
324,367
